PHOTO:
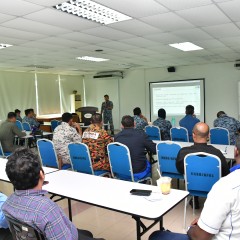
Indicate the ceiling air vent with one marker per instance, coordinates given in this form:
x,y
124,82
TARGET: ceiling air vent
x,y
109,74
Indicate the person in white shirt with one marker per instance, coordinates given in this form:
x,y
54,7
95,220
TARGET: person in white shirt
x,y
220,217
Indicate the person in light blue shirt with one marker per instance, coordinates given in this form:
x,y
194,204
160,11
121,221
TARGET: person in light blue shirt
x,y
189,121
5,233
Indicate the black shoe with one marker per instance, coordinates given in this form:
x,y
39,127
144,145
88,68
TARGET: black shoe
x,y
196,203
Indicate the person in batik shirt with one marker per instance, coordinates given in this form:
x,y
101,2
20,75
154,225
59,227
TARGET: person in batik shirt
x,y
97,140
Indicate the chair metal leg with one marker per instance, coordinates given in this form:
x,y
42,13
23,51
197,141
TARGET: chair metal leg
x,y
193,199
185,212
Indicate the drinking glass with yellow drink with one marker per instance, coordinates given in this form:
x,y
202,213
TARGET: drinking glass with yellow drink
x,y
165,184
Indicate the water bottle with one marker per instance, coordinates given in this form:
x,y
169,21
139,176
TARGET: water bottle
x,y
173,122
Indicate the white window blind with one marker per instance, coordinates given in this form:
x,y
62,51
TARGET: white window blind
x,y
17,90
48,94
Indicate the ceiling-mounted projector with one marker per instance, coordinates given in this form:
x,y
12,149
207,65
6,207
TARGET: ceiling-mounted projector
x,y
109,74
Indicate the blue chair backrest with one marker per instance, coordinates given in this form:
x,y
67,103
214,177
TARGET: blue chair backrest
x,y
26,126
47,153
202,171
80,158
167,153
120,161
54,124
153,133
19,125
219,136
179,134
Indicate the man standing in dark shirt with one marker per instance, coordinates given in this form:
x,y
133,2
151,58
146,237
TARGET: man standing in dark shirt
x,y
106,110
138,143
200,135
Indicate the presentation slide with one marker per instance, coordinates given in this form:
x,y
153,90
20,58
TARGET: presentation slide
x,y
174,96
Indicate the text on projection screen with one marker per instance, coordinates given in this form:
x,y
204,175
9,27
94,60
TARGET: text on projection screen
x,y
175,99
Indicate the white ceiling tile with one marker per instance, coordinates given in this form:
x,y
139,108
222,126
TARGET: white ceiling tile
x,y
223,30
106,32
12,41
164,38
189,35
35,27
135,27
77,36
231,9
18,7
14,33
231,41
135,8
168,22
61,19
117,45
48,3
212,43
183,4
63,42
219,1
5,17
204,16
139,41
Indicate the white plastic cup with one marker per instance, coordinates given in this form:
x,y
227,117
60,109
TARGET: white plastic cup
x,y
164,183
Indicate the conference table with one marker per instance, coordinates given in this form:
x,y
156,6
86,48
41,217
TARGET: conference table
x,y
113,194
108,193
227,150
4,177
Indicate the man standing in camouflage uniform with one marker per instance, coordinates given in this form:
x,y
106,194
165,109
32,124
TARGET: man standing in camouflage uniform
x,y
106,110
97,140
230,123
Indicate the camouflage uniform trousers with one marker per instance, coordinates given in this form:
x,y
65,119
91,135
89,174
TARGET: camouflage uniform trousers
x,y
107,118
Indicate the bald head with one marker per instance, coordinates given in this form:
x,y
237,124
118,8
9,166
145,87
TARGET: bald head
x,y
200,132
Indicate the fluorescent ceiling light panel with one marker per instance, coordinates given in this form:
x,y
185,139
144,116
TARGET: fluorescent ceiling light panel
x,y
186,46
92,59
3,45
92,11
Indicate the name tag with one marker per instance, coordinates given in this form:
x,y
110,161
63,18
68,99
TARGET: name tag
x,y
91,135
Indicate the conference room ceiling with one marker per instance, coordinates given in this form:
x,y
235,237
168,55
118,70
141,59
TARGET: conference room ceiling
x,y
47,40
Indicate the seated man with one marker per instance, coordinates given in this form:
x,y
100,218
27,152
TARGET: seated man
x,y
137,143
230,123
97,140
220,216
18,115
163,124
8,131
31,119
189,121
5,233
140,121
28,203
67,132
200,136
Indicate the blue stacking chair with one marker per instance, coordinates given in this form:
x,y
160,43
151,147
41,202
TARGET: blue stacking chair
x,y
19,125
202,171
219,135
47,153
2,153
179,134
26,126
54,124
153,133
81,160
167,154
120,163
